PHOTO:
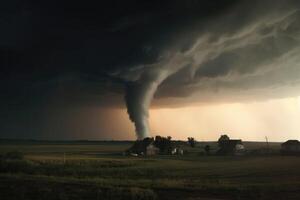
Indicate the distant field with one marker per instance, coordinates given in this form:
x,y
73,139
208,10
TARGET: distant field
x,y
100,171
102,147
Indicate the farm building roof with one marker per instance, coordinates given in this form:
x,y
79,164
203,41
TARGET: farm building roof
x,y
291,142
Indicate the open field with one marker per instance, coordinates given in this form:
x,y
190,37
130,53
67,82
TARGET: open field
x,y
100,171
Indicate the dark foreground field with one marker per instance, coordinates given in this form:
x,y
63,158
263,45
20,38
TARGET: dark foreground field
x,y
86,170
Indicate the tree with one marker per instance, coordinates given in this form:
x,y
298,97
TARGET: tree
x,y
164,144
191,141
222,139
207,149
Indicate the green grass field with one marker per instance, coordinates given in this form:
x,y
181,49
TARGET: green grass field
x,y
100,171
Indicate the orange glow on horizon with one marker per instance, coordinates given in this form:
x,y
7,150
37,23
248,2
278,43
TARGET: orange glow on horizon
x,y
277,119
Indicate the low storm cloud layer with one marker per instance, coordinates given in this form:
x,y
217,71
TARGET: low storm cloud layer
x,y
173,52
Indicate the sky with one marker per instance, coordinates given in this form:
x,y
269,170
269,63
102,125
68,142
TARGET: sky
x,y
121,70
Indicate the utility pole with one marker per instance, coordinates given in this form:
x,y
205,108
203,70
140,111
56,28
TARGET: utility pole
x,y
267,141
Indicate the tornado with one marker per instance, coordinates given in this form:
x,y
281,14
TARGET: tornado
x,y
139,93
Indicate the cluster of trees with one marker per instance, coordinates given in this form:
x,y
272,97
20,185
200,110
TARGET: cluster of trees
x,y
222,140
191,141
164,144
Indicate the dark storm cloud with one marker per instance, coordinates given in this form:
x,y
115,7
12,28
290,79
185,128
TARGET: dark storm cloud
x,y
60,53
246,59
46,40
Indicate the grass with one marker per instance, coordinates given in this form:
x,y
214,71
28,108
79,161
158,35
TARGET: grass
x,y
73,168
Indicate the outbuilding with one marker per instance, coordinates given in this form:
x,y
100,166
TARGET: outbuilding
x,y
290,147
231,147
151,150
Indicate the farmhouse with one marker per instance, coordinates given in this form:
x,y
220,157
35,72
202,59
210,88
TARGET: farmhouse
x,y
290,147
149,146
231,147
151,150
140,146
177,151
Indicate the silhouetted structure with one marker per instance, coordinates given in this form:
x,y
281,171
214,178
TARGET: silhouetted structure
x,y
151,150
290,147
177,151
231,147
151,146
140,146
